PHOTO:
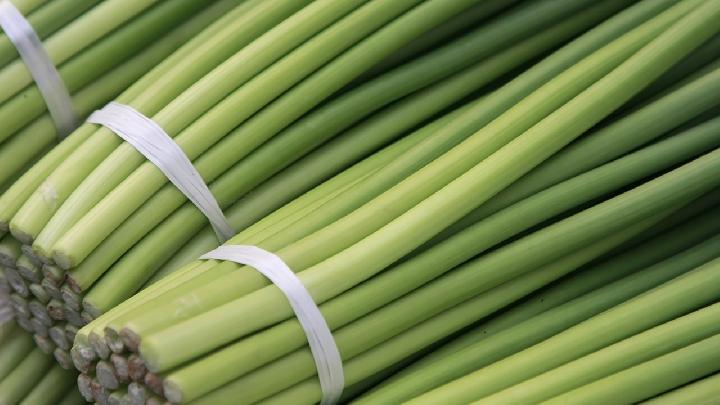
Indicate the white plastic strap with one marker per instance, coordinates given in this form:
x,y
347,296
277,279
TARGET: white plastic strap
x,y
46,77
322,344
158,147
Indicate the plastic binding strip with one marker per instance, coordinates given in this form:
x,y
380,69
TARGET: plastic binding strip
x,y
158,147
322,344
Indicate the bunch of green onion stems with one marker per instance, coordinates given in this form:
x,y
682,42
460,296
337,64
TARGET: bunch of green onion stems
x,y
460,218
494,201
99,48
271,137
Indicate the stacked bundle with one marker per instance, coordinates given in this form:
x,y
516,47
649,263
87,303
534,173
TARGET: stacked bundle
x,y
287,94
99,49
376,247
30,376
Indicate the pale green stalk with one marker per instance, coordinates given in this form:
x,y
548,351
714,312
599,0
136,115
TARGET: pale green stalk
x,y
13,349
707,53
477,15
28,6
397,238
97,325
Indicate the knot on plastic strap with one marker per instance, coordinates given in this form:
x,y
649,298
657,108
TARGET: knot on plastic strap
x,y
48,81
159,148
320,339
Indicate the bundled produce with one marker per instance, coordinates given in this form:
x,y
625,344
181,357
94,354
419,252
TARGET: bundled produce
x,y
374,246
258,144
99,48
302,201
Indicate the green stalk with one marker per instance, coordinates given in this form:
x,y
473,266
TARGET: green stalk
x,y
9,251
361,364
424,267
118,205
472,17
355,142
625,354
661,304
608,143
225,288
42,191
703,391
397,238
72,397
14,348
24,377
28,6
700,58
75,37
652,377
51,388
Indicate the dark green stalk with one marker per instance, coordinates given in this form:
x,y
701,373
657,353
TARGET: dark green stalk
x,y
686,293
504,343
651,377
24,377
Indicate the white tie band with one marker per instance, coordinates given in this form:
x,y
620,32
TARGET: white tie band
x,y
159,148
322,344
